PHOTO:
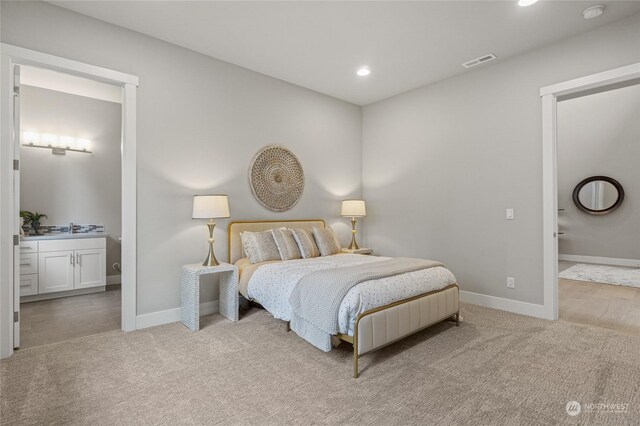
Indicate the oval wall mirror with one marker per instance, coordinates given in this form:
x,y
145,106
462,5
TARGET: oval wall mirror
x,y
598,195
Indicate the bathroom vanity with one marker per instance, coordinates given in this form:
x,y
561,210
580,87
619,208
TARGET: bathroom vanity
x,y
62,265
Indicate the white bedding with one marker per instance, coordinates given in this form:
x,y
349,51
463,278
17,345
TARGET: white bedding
x,y
271,286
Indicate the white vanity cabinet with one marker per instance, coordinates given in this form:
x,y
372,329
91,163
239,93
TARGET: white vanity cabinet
x,y
90,268
56,271
63,265
28,268
28,285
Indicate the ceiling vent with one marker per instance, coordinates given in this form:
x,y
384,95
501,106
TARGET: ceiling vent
x,y
481,60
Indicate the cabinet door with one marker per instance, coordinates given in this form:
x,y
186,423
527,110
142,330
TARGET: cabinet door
x,y
91,268
55,271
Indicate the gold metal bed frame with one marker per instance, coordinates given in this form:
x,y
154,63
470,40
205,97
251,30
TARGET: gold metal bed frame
x,y
354,339
378,327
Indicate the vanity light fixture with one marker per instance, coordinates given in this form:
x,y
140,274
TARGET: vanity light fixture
x,y
83,145
49,140
525,3
57,144
363,71
67,142
30,138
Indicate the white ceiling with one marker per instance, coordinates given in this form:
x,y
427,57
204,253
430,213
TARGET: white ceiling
x,y
67,83
320,45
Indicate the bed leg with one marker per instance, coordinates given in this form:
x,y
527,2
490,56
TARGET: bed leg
x,y
355,351
458,319
288,326
355,364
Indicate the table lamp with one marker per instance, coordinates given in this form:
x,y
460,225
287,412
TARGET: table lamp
x,y
210,207
353,209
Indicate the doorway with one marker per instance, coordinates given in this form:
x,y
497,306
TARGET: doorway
x,y
68,187
13,58
551,95
598,209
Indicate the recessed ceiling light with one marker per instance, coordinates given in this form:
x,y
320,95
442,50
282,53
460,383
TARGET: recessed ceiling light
x,y
363,71
524,3
593,12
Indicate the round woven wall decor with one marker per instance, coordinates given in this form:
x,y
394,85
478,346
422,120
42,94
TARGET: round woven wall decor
x,y
276,178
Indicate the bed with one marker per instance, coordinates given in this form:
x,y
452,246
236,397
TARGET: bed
x,y
373,314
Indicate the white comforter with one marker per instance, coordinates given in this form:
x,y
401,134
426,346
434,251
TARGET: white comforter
x,y
271,286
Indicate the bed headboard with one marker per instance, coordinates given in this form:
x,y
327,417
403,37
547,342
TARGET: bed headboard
x,y
235,228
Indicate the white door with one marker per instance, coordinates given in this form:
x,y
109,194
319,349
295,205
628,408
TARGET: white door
x,y
16,207
55,271
91,268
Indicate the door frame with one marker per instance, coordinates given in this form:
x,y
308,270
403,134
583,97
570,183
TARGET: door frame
x,y
551,95
11,56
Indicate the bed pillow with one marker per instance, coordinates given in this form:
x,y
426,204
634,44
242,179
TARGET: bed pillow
x,y
327,241
286,244
259,246
306,243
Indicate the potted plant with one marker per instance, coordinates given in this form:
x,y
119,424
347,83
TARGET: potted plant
x,y
24,217
33,219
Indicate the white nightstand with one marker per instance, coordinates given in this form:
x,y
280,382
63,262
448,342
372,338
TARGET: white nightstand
x,y
358,251
190,292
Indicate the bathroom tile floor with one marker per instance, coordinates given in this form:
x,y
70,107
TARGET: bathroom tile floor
x,y
56,320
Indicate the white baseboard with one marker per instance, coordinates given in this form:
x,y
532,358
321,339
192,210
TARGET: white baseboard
x,y
523,308
61,294
515,306
114,279
634,263
171,315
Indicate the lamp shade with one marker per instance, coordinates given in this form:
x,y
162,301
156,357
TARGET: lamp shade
x,y
353,208
210,207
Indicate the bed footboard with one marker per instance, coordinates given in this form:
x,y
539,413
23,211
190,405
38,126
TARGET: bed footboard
x,y
381,326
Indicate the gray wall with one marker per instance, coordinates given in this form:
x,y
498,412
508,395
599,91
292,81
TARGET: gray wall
x,y
442,163
200,121
79,188
600,135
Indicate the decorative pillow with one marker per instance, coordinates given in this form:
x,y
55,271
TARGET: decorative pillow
x,y
286,244
306,243
259,246
327,241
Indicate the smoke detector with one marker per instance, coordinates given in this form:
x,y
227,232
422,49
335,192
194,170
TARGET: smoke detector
x,y
481,60
593,12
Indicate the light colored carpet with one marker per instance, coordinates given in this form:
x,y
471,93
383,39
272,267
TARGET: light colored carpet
x,y
615,275
496,368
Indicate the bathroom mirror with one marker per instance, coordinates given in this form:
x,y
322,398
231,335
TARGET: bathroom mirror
x,y
598,195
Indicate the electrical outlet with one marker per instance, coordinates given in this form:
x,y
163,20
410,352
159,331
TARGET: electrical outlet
x,y
511,282
510,214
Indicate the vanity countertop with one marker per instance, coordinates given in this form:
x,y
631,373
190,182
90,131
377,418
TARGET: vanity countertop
x,y
64,236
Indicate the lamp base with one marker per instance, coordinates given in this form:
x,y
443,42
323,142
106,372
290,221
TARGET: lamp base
x,y
211,258
353,245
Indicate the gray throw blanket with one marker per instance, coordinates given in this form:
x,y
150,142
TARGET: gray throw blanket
x,y
315,300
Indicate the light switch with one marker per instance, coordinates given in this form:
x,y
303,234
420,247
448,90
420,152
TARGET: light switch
x,y
510,214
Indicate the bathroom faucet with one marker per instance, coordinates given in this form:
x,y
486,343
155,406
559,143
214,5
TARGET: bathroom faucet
x,y
71,227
